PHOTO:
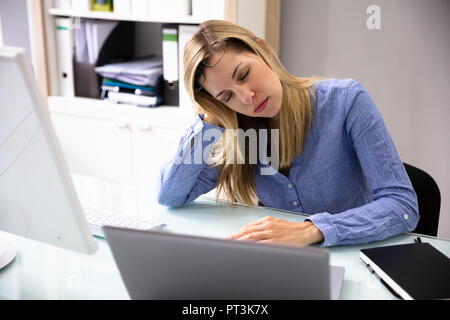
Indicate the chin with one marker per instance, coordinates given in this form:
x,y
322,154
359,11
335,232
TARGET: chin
x,y
272,112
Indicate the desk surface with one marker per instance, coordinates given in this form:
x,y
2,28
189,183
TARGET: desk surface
x,y
42,271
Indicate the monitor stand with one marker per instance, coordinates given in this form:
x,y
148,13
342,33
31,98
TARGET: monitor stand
x,y
8,251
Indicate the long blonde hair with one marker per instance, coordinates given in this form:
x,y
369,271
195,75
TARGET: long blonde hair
x,y
237,181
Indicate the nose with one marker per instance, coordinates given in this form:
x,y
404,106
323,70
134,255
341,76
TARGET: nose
x,y
245,94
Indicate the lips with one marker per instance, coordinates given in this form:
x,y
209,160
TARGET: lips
x,y
262,106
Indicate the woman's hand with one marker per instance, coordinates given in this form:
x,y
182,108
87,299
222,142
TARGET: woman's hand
x,y
270,229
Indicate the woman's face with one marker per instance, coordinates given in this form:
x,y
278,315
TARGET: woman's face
x,y
244,83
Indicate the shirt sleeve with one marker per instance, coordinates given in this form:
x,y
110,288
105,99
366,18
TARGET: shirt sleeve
x,y
393,209
189,173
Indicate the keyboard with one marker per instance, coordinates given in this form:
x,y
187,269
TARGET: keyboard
x,y
97,218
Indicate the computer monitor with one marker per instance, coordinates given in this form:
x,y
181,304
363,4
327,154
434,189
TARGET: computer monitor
x,y
37,197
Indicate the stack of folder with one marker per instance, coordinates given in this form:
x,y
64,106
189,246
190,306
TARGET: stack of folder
x,y
137,82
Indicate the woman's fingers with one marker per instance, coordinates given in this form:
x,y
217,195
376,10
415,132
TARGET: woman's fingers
x,y
254,236
245,231
254,226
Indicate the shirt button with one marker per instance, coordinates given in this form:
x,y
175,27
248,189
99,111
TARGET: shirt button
x,y
295,203
405,216
290,185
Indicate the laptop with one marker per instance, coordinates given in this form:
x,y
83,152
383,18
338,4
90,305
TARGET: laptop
x,y
163,265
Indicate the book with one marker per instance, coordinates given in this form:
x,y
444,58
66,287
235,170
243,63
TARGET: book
x,y
413,271
124,85
102,5
134,99
105,89
145,71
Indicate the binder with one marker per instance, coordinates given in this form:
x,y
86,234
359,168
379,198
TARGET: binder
x,y
170,53
171,92
413,271
185,32
65,54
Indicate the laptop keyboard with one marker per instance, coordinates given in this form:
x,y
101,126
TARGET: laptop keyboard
x,y
97,218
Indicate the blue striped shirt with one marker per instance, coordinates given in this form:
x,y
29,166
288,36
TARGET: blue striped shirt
x,y
349,177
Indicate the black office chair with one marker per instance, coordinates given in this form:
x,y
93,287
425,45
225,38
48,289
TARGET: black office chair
x,y
429,200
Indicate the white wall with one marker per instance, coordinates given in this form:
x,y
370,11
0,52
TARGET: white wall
x,y
1,34
256,9
405,66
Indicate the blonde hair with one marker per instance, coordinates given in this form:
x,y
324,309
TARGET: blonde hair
x,y
237,181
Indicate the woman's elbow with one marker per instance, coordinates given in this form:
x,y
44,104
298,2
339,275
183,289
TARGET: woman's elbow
x,y
412,219
168,200
165,196
412,216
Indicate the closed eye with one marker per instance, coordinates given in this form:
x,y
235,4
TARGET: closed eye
x,y
245,75
229,97
240,79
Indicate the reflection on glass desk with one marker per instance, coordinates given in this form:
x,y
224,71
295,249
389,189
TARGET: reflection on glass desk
x,y
42,271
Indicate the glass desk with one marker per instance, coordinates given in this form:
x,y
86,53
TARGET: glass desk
x,y
41,271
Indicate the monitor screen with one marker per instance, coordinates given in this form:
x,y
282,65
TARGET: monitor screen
x,y
37,196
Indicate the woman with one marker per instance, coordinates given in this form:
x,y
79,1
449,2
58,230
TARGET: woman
x,y
336,159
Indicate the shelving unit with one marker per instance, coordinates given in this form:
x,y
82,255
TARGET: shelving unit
x,y
124,143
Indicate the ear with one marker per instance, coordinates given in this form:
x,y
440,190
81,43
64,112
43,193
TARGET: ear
x,y
265,45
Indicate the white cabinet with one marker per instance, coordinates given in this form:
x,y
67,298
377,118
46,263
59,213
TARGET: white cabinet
x,y
115,151
95,147
117,143
152,146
